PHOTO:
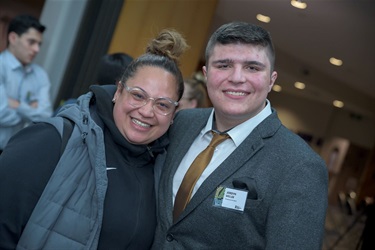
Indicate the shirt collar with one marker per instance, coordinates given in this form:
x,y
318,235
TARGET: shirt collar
x,y
15,63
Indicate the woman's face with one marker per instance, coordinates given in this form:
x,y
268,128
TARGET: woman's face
x,y
187,102
142,125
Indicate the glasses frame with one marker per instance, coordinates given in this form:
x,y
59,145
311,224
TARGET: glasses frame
x,y
148,98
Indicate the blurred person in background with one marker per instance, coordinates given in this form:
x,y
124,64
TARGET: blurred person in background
x,y
195,94
111,67
24,85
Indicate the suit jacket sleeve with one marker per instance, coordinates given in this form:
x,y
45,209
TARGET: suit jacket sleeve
x,y
296,217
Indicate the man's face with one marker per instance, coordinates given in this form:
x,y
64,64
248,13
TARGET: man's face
x,y
239,79
26,46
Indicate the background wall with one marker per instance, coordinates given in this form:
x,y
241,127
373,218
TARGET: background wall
x,y
62,19
139,21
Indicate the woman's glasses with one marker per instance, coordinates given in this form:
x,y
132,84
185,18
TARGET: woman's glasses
x,y
139,98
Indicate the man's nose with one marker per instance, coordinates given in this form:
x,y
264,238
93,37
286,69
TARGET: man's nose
x,y
36,48
237,75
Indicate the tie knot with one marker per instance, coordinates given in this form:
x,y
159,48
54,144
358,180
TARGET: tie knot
x,y
217,139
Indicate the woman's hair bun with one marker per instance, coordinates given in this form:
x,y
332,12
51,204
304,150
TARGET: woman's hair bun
x,y
169,43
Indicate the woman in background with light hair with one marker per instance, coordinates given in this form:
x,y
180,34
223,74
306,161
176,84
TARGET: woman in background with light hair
x,y
195,94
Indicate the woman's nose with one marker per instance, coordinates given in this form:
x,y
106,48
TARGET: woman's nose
x,y
147,110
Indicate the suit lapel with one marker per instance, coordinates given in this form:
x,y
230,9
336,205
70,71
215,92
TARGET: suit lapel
x,y
187,132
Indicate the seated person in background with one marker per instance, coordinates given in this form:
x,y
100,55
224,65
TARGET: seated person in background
x,y
195,94
24,86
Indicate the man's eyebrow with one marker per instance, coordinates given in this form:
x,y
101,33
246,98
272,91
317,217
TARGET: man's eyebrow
x,y
255,63
222,61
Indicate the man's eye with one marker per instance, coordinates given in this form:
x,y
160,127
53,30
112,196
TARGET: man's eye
x,y
32,42
223,66
252,68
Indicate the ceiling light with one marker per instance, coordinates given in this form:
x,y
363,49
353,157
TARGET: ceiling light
x,y
338,104
263,18
298,4
335,61
299,85
277,88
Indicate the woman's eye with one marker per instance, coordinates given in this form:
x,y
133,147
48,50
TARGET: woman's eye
x,y
138,96
163,105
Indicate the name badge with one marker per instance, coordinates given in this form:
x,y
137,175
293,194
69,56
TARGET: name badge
x,y
230,198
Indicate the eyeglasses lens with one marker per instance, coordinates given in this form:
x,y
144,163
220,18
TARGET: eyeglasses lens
x,y
160,105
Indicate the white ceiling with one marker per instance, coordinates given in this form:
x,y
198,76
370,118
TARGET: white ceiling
x,y
306,39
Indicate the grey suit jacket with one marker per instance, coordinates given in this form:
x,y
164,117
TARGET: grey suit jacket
x,y
287,192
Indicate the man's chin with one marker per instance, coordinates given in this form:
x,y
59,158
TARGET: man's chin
x,y
26,62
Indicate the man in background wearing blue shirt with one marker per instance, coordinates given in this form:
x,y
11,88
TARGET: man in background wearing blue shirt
x,y
24,86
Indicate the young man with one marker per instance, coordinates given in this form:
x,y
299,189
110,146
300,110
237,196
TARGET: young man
x,y
24,86
264,187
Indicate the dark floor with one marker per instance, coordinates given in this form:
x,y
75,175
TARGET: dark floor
x,y
343,230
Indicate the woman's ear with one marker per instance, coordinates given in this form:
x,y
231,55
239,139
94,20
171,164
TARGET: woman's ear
x,y
118,92
194,103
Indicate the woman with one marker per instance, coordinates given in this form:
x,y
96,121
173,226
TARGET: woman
x,y
195,94
100,192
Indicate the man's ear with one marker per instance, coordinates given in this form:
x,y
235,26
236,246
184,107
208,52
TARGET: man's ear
x,y
12,37
272,80
204,70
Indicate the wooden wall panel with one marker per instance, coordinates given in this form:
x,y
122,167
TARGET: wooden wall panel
x,y
140,20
